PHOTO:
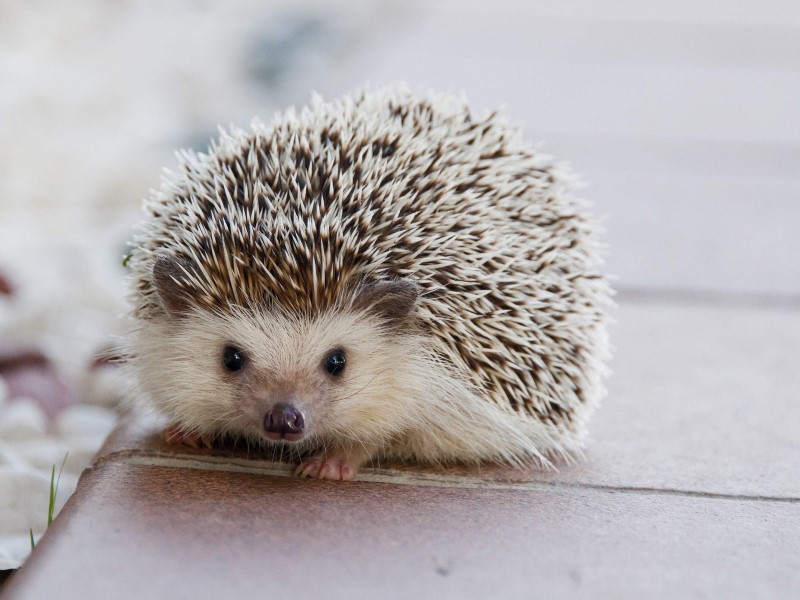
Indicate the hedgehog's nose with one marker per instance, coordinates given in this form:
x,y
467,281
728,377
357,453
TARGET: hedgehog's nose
x,y
284,422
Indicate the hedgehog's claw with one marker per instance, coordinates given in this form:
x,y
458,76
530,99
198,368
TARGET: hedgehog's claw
x,y
176,436
335,467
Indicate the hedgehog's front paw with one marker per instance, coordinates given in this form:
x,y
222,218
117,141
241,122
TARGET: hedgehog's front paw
x,y
339,467
176,436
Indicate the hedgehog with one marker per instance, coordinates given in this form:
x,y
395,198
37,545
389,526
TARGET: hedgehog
x,y
381,277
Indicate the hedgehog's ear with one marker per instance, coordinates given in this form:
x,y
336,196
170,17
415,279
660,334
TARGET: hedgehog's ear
x,y
167,272
393,300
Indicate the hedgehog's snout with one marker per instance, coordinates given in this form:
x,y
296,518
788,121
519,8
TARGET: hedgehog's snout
x,y
284,422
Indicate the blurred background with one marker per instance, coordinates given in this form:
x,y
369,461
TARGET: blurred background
x,y
682,116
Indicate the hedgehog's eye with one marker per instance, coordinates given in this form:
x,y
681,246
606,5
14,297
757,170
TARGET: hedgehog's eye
x,y
232,358
334,362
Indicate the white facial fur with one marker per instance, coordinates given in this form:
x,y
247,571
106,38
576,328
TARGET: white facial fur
x,y
394,397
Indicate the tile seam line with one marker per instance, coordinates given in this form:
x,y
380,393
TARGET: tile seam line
x,y
671,297
402,478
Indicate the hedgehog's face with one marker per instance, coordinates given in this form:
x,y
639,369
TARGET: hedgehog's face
x,y
296,378
281,377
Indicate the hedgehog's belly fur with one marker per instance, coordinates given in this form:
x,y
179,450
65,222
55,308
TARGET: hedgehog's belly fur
x,y
441,254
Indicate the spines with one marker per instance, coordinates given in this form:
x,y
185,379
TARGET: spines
x,y
385,184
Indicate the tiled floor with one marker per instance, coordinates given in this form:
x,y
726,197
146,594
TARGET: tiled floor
x,y
211,534
691,489
683,118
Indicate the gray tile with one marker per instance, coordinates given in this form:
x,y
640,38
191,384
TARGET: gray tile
x,y
702,399
598,155
694,215
511,35
718,234
665,95
769,12
137,531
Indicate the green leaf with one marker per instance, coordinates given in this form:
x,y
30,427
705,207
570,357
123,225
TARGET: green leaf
x,y
52,506
125,260
54,489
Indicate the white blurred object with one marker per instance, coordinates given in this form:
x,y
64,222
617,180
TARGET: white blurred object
x,y
30,447
22,419
85,420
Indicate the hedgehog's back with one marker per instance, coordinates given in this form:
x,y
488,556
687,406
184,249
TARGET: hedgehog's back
x,y
387,185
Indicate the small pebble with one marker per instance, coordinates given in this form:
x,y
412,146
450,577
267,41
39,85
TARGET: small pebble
x,y
86,420
22,419
6,289
10,457
40,383
24,497
40,454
